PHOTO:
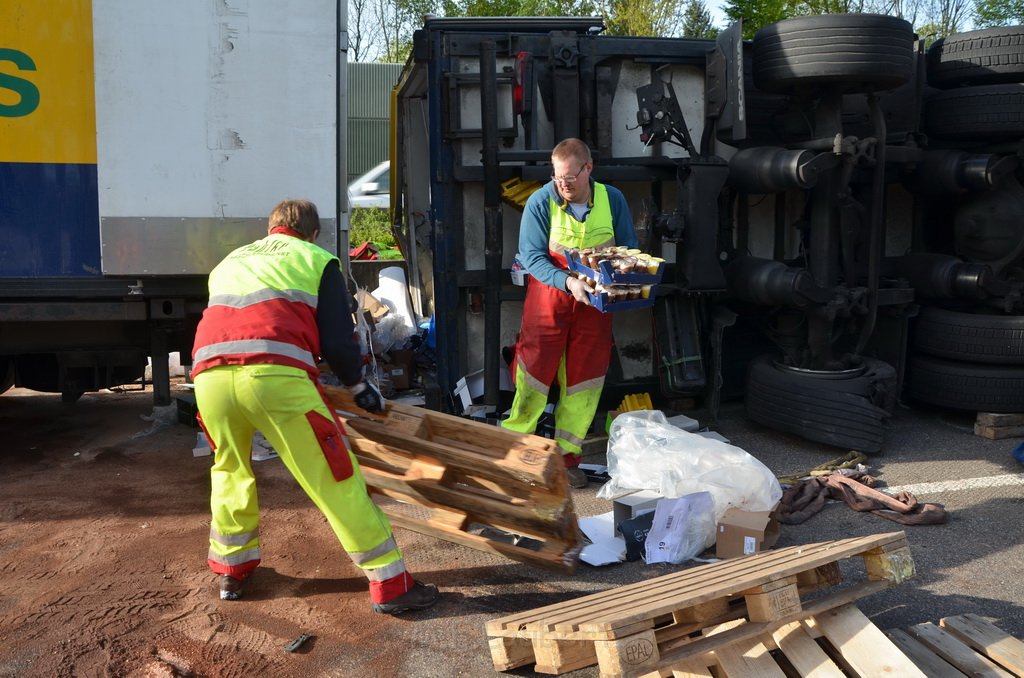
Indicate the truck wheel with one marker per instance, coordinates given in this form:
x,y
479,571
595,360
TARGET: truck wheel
x,y
966,386
861,52
987,57
989,112
971,337
845,409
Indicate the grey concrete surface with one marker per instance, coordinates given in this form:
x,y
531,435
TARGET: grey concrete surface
x,y
970,564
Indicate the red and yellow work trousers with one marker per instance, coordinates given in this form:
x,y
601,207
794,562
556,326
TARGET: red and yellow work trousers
x,y
289,409
564,339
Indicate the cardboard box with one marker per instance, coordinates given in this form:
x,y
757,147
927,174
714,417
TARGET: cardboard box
x,y
740,533
399,368
632,505
371,304
399,376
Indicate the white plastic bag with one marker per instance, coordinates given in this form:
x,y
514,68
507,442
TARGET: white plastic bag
x,y
682,529
645,452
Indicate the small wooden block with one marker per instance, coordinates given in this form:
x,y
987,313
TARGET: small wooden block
x,y
702,612
895,566
509,653
562,656
999,419
998,432
631,653
822,577
773,585
988,639
774,604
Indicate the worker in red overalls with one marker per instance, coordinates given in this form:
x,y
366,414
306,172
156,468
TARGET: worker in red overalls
x,y
563,336
276,306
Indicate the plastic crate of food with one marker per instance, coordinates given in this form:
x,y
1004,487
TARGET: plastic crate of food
x,y
605,273
602,302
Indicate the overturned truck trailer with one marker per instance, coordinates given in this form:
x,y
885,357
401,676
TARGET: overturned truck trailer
x,y
840,209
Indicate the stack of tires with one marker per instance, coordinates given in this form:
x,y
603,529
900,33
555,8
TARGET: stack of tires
x,y
968,361
979,85
974,359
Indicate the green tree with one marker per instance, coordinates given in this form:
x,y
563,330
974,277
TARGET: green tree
x,y
989,13
757,14
697,21
658,18
499,8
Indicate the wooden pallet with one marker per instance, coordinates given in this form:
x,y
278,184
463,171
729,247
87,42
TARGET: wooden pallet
x,y
657,624
467,475
996,426
962,645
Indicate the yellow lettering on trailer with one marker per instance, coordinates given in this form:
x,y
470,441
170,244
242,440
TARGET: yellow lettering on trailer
x,y
47,101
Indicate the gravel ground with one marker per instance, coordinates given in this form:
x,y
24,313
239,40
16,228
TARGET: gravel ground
x,y
103,535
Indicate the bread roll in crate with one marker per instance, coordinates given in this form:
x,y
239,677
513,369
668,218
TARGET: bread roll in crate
x,y
616,265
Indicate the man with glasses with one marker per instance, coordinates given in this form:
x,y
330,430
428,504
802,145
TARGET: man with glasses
x,y
563,336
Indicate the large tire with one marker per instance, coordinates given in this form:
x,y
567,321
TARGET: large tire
x,y
843,410
970,337
993,112
988,57
966,386
859,52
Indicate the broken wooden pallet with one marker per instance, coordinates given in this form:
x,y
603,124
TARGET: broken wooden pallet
x,y
962,645
839,642
997,426
467,475
657,623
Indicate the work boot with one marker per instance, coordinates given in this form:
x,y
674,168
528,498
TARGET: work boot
x,y
230,588
577,478
419,597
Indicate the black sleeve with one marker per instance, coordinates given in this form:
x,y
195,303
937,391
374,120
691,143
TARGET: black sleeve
x,y
334,320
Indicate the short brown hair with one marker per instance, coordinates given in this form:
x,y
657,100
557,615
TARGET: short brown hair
x,y
571,148
299,215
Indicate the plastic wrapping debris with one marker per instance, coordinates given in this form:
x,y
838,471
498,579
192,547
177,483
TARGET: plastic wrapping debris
x,y
645,452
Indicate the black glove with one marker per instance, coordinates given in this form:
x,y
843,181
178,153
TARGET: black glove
x,y
367,396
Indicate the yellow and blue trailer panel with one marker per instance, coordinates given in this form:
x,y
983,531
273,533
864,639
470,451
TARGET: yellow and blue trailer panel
x,y
49,211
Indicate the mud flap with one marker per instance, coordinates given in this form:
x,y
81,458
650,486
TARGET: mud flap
x,y
681,369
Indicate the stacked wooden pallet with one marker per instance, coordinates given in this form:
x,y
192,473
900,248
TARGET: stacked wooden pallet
x,y
467,476
728,614
996,426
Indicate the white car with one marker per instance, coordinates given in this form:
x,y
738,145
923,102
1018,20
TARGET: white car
x,y
372,189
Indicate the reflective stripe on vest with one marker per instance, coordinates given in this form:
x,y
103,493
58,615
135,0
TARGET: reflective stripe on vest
x,y
255,347
262,310
597,231
243,300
